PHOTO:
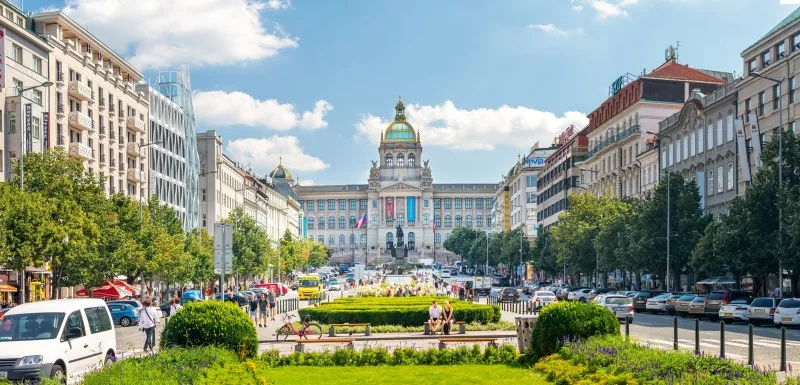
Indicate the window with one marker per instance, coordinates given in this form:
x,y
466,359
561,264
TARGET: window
x,y
331,240
531,180
719,132
685,147
331,204
751,66
321,239
468,203
341,239
352,204
373,220
488,203
479,220
388,160
748,107
730,176
37,97
98,319
16,53
437,238
795,42
17,86
426,220
320,205
362,204
74,321
710,138
35,126
792,87
411,160
730,126
478,203
765,59
458,203
532,197
321,223
469,220
780,51
37,65
671,154
793,127
448,203
664,158
720,181
458,220
341,222
12,122
437,221
426,203
710,182
437,204
374,203
310,206
776,96
448,222
342,204
400,220
331,222
761,101
692,144
400,160
310,222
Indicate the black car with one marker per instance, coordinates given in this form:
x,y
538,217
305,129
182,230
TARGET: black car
x,y
509,294
640,299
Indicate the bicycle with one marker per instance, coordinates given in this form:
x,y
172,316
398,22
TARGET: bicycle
x,y
308,329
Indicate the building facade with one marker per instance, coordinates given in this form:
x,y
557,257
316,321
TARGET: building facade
x,y
705,146
523,192
100,117
619,130
561,177
399,193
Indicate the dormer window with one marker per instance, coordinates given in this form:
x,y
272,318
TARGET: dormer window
x,y
765,59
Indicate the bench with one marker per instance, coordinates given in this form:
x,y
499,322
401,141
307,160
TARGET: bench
x,y
462,328
332,328
444,341
300,347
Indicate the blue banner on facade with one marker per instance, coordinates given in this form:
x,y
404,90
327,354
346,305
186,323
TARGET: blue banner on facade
x,y
305,226
411,208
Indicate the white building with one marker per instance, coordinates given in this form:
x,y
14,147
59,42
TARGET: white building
x,y
521,181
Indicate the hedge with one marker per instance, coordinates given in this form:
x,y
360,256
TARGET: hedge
x,y
211,323
404,311
567,321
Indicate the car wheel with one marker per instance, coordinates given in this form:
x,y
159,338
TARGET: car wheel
x,y
728,321
57,371
108,361
582,300
125,322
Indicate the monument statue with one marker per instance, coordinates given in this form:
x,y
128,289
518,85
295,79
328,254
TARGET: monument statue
x,y
374,171
400,237
426,170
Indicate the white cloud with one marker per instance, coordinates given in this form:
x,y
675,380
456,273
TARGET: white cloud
x,y
607,8
220,108
263,154
551,29
169,33
478,129
577,8
305,182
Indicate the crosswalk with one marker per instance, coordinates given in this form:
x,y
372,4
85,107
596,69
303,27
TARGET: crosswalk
x,y
714,345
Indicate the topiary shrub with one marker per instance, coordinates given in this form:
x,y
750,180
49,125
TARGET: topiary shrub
x,y
212,323
570,321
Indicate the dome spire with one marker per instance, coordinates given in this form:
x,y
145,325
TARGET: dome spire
x,y
400,110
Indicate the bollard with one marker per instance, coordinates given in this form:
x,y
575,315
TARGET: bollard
x,y
331,331
750,359
721,339
783,348
697,336
675,333
627,327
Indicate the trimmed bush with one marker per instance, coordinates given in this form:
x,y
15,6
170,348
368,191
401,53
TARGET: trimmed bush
x,y
172,366
403,311
567,321
211,323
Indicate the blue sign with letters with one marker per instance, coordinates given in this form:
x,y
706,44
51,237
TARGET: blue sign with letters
x,y
536,162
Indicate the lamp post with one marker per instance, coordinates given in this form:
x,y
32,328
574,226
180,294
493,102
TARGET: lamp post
x,y
779,82
141,221
22,134
669,184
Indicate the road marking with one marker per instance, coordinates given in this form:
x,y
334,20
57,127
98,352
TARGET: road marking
x,y
726,343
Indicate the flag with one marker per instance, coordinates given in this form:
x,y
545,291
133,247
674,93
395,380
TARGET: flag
x,y
362,221
434,225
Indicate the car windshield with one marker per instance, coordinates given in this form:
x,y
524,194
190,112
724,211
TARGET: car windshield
x,y
698,299
661,296
28,327
790,304
762,302
309,283
644,294
618,300
333,281
686,298
716,296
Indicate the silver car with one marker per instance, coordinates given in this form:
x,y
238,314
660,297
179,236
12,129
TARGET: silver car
x,y
620,305
762,310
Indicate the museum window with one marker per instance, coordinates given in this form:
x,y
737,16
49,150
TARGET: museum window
x,y
352,204
342,204
426,203
341,222
479,203
448,203
352,240
437,221
388,160
458,221
437,204
458,203
321,223
479,221
352,221
362,204
426,220
437,238
400,160
311,223
341,239
320,205
331,240
331,222
469,220
448,222
310,206
331,204
321,239
373,220
363,240
411,160
400,220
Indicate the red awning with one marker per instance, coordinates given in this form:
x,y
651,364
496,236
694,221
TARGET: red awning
x,y
106,291
124,285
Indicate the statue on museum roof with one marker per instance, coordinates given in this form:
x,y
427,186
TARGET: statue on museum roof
x,y
374,171
426,169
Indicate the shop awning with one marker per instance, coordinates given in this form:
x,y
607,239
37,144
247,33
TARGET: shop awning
x,y
7,288
125,286
106,291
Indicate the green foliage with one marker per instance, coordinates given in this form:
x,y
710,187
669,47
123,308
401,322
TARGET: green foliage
x,y
252,252
211,323
377,329
403,311
567,321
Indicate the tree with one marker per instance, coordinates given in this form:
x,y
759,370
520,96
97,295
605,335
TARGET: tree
x,y
251,247
544,254
199,245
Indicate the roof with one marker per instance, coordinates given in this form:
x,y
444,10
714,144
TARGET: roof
x,y
56,306
281,172
400,131
675,71
794,16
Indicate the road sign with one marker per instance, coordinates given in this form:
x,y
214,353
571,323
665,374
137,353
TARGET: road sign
x,y
223,248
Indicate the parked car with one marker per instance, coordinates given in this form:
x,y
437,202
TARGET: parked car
x,y
672,300
123,315
258,290
563,294
736,310
697,307
762,310
445,273
594,293
787,312
640,299
3,311
134,303
57,338
333,285
543,298
509,294
241,301
658,303
682,305
620,305
580,295
716,299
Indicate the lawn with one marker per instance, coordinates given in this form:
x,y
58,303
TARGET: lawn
x,y
404,375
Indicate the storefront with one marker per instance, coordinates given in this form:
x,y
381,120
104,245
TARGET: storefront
x,y
7,291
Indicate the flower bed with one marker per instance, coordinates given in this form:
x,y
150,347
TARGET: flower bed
x,y
403,311
386,289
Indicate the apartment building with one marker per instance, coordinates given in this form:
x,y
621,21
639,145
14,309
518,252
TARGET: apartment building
x,y
26,102
619,128
561,177
100,117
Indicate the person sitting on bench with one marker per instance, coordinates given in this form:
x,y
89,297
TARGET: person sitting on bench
x,y
447,317
435,313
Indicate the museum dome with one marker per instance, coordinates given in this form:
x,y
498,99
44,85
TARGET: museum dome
x,y
281,172
400,131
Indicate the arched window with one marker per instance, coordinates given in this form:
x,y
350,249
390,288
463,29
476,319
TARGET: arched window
x,y
389,239
363,240
447,236
331,222
311,223
388,160
331,240
411,240
341,222
437,239
352,221
352,239
400,220
447,221
400,160
458,220
479,220
426,219
469,220
321,223
437,221
341,240
411,160
321,239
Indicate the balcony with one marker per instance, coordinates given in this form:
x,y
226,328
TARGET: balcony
x,y
102,132
133,149
136,175
628,132
81,151
80,91
60,79
102,159
60,110
101,103
112,164
136,124
111,137
80,121
61,140
110,109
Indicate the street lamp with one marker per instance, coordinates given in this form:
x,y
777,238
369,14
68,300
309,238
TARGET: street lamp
x,y
779,82
22,167
141,221
669,183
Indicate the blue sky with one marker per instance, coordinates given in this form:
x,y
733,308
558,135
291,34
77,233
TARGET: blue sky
x,y
315,81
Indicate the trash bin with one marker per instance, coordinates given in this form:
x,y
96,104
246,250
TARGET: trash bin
x,y
525,325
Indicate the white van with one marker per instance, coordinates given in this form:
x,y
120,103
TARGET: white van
x,y
67,337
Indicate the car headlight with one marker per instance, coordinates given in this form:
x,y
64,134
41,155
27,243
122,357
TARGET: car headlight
x,y
30,360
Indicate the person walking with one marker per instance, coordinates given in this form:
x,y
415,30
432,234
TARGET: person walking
x,y
262,310
147,323
271,300
174,306
254,309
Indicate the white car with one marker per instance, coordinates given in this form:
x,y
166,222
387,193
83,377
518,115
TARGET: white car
x,y
658,303
59,338
333,285
787,312
620,305
581,295
543,298
736,310
445,273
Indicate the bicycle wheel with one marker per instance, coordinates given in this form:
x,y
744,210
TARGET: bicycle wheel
x,y
283,333
312,331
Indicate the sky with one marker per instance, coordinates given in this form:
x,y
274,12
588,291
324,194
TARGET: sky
x,y
315,82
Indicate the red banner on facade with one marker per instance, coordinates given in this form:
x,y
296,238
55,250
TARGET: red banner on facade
x,y
390,207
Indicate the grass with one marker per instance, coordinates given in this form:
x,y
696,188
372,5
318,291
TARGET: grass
x,y
403,375
376,329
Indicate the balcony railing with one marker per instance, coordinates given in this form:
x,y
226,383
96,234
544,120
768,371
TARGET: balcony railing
x,y
102,103
112,164
102,159
102,131
135,175
136,124
133,149
111,136
61,140
80,121
81,151
60,109
60,77
80,91
630,131
111,109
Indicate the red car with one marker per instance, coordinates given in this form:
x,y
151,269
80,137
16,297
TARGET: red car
x,y
277,288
